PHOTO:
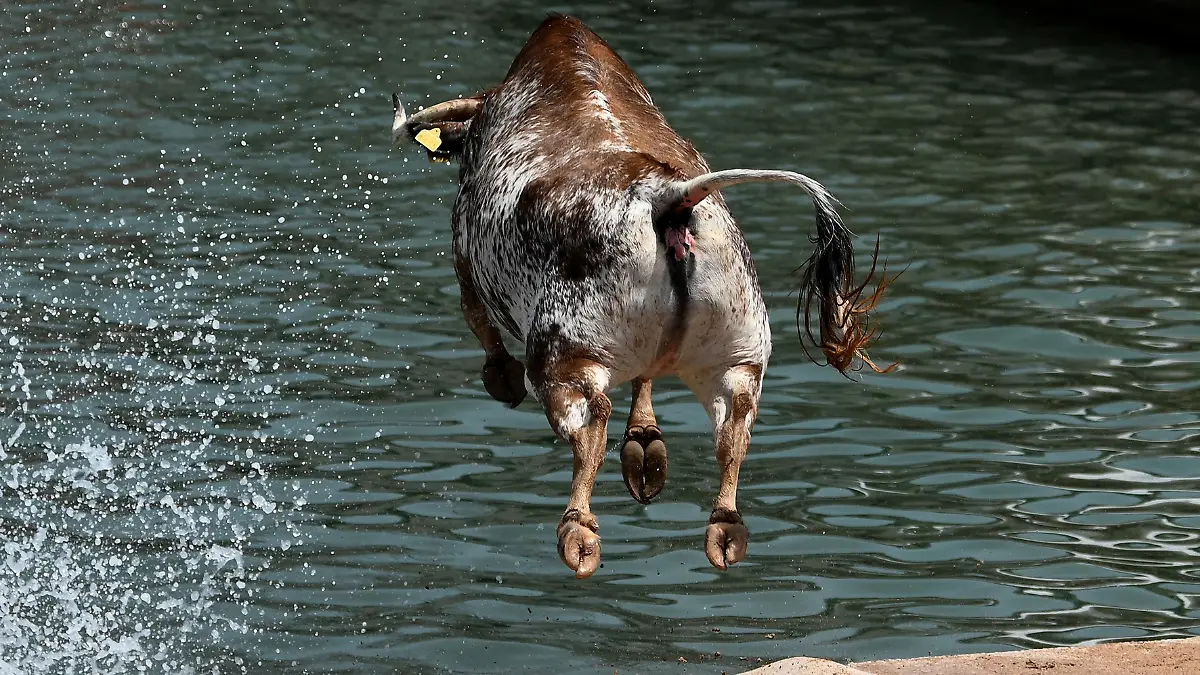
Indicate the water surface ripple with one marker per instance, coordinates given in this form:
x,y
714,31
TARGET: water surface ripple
x,y
242,427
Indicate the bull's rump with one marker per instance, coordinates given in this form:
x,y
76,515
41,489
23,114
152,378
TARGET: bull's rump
x,y
582,262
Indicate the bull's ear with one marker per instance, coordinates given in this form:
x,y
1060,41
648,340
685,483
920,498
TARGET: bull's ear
x,y
451,119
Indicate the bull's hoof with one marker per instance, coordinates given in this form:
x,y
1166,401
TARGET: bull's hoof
x,y
578,543
504,379
726,539
644,462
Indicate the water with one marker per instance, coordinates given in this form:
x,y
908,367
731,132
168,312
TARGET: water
x,y
242,426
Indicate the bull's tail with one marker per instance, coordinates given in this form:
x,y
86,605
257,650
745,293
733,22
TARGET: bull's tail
x,y
827,282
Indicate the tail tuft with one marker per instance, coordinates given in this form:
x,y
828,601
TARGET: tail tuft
x,y
846,326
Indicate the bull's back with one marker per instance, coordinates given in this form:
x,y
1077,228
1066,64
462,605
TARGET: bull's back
x,y
588,92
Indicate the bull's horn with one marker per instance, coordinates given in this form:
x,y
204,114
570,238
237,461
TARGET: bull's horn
x,y
399,129
456,110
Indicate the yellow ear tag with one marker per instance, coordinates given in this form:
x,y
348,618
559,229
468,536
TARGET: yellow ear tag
x,y
430,138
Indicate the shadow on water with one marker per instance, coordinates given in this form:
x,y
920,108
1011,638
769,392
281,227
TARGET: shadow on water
x,y
242,422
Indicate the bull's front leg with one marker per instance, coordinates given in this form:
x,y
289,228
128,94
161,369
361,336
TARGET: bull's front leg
x,y
503,375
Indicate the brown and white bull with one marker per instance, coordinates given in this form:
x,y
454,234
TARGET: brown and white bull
x,y
588,230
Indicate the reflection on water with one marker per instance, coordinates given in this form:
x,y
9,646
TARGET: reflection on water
x,y
242,423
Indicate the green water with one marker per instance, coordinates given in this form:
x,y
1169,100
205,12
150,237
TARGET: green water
x,y
241,425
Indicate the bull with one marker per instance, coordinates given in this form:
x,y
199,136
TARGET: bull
x,y
592,233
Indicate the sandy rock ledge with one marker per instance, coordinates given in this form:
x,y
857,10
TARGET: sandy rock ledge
x,y
1162,657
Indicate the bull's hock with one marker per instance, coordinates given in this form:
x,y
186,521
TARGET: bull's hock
x,y
1161,657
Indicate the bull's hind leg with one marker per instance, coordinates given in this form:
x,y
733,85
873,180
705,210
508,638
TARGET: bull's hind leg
x,y
731,399
572,393
643,453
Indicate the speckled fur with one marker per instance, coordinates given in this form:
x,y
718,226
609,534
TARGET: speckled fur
x,y
563,176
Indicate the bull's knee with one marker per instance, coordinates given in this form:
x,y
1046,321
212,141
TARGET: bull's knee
x,y
504,379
